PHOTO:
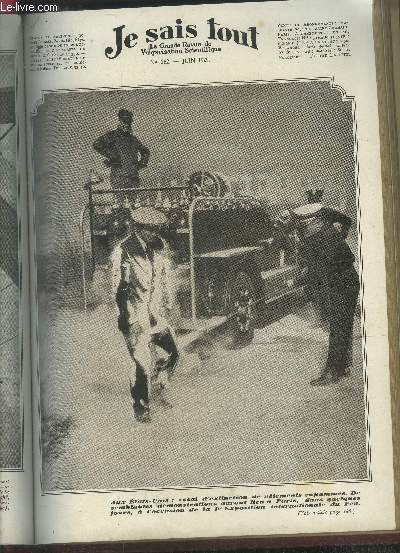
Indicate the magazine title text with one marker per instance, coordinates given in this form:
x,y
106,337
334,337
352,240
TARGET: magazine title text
x,y
123,39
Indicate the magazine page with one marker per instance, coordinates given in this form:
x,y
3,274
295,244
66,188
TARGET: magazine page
x,y
16,500
211,344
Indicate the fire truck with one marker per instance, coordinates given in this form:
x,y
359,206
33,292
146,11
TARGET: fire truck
x,y
232,255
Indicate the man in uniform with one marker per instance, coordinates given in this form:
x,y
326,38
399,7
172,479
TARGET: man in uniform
x,y
141,268
124,153
334,284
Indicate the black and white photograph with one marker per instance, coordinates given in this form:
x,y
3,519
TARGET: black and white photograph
x,y
10,368
199,283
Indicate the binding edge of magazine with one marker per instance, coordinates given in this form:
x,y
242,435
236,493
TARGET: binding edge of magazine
x,y
387,54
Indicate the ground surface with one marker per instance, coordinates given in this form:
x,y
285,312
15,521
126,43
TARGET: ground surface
x,y
246,415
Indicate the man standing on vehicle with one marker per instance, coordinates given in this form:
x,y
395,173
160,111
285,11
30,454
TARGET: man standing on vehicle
x,y
144,300
123,153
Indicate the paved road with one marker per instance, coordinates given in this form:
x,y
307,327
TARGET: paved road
x,y
247,415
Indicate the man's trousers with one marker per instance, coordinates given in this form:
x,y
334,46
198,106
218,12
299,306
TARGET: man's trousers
x,y
138,343
343,303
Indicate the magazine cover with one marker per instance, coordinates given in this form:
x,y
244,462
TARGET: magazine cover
x,y
208,290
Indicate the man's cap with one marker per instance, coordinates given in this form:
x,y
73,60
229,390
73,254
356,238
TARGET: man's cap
x,y
125,115
307,211
149,217
336,216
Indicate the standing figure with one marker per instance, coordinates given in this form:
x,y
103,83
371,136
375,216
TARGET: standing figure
x,y
334,283
141,267
124,154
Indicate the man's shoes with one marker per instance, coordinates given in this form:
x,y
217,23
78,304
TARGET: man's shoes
x,y
331,377
322,380
172,363
161,381
345,373
141,412
159,389
143,416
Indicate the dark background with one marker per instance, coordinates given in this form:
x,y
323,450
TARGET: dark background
x,y
275,545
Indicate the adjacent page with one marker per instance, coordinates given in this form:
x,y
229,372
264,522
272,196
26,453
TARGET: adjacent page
x,y
16,499
249,130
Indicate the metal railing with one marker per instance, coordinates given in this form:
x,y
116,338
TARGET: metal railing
x,y
90,207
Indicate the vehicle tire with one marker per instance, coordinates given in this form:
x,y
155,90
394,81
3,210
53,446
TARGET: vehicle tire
x,y
243,308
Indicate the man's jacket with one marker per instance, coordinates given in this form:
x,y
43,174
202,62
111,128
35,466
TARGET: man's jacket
x,y
124,153
144,294
330,259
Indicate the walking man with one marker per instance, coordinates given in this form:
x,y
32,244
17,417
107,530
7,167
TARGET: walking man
x,y
334,283
143,299
123,153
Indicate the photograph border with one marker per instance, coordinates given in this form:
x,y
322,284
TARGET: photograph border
x,y
345,98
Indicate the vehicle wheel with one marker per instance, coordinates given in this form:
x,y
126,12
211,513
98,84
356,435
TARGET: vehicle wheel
x,y
243,308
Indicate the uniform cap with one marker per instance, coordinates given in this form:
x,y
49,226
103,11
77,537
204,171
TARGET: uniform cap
x,y
125,115
149,217
335,215
307,211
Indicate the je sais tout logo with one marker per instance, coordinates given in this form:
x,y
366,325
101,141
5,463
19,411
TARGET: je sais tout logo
x,y
123,39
